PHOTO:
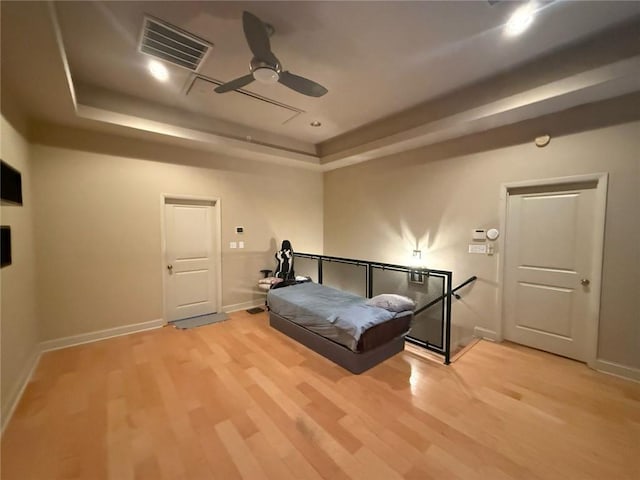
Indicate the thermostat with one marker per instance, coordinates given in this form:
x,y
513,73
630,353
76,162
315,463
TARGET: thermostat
x,y
239,229
492,234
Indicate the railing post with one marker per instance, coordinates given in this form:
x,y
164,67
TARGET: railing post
x,y
320,270
447,345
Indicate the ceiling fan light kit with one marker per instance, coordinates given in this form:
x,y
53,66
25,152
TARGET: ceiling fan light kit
x,y
265,66
266,75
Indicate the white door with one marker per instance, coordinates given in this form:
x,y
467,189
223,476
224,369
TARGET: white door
x,y
549,241
191,269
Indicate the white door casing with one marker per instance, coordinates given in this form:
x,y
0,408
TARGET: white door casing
x,y
191,257
551,277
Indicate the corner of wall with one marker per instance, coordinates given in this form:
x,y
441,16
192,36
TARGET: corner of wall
x,y
20,349
12,399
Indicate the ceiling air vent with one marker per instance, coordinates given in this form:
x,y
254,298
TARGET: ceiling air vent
x,y
171,44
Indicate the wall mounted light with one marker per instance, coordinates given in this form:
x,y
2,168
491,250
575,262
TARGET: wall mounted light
x,y
417,276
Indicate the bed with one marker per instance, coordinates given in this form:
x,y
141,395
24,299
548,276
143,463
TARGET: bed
x,y
338,325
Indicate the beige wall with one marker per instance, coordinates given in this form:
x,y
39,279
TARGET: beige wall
x,y
98,234
433,197
18,322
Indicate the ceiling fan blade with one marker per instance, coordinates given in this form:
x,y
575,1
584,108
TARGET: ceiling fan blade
x,y
302,85
234,84
258,38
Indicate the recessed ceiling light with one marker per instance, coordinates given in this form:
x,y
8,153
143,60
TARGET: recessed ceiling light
x,y
158,70
520,20
315,124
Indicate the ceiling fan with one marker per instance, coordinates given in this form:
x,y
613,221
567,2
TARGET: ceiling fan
x,y
265,67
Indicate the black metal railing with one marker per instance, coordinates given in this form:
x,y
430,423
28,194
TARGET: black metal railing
x,y
444,299
453,292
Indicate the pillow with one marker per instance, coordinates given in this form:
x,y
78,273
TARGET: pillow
x,y
392,302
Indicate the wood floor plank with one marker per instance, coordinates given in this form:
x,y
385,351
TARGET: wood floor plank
x,y
219,461
239,451
239,400
282,447
298,435
272,465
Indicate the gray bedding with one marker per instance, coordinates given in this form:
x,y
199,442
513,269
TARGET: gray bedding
x,y
337,315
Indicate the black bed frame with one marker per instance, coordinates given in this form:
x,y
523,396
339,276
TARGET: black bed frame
x,y
443,347
353,361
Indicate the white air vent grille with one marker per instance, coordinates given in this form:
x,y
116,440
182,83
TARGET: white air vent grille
x,y
173,45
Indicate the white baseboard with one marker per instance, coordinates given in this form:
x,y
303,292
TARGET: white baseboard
x,y
487,334
65,342
243,306
617,369
18,389
58,343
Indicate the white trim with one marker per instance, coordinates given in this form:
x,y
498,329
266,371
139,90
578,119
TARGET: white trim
x,y
63,54
14,398
217,235
64,342
217,142
617,369
593,321
599,83
502,222
487,334
57,344
243,306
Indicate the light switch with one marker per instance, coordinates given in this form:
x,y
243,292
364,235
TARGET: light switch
x,y
233,245
240,244
473,248
478,235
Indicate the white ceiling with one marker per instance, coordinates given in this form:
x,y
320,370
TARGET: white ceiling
x,y
375,58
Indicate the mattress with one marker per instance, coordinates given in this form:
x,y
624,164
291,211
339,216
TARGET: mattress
x,y
337,315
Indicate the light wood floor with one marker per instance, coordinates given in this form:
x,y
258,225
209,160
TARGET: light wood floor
x,y
239,400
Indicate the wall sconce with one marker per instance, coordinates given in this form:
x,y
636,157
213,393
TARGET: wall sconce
x,y
417,276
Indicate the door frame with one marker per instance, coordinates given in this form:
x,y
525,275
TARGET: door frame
x,y
597,253
217,250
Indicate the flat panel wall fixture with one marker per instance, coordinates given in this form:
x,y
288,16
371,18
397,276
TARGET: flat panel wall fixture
x,y
5,245
10,185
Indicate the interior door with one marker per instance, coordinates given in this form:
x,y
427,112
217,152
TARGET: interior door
x,y
191,263
548,251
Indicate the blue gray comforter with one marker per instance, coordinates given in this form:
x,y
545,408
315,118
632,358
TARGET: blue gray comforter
x,y
337,315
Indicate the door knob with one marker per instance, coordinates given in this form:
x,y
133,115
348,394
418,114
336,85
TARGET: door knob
x,y
585,282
